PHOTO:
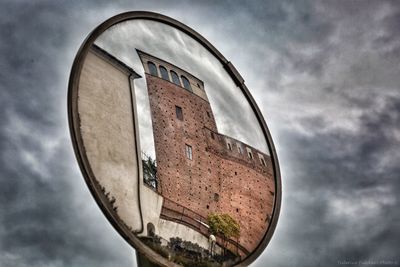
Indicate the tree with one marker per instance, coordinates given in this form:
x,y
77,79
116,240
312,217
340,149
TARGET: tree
x,y
224,225
149,171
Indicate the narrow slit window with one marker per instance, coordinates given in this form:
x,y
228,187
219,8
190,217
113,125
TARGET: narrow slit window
x,y
164,73
189,152
229,146
152,68
179,113
250,155
239,150
262,161
212,135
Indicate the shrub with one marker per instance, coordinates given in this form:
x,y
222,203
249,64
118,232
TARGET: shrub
x,y
224,225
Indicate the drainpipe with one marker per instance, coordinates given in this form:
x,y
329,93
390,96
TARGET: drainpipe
x,y
138,155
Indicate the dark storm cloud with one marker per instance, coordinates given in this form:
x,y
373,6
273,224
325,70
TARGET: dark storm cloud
x,y
324,73
341,202
338,130
47,216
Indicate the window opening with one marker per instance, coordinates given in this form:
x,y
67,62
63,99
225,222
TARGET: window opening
x,y
179,113
175,78
186,83
164,73
189,152
152,68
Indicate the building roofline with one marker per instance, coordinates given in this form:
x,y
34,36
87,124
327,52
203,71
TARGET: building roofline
x,y
238,141
175,66
100,51
180,87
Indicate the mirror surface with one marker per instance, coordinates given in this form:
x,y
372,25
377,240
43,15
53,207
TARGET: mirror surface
x,y
175,152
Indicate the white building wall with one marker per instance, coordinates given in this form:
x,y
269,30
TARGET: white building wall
x,y
105,112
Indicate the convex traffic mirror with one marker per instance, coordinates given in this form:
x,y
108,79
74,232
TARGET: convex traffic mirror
x,y
171,144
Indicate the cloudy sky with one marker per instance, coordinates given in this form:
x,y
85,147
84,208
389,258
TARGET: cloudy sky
x,y
326,76
232,112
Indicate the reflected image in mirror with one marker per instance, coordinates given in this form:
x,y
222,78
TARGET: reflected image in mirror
x,y
174,145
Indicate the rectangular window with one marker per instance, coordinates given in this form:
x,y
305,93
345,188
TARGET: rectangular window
x,y
179,113
212,135
229,146
250,155
189,152
239,150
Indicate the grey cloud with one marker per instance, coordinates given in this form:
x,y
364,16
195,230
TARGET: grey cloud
x,y
325,75
353,200
47,216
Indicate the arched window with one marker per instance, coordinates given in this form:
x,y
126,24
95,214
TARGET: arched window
x,y
152,68
175,78
186,83
164,73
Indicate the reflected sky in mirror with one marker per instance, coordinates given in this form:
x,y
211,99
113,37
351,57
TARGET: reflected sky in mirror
x,y
233,114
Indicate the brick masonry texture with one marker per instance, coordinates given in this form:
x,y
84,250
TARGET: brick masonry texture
x,y
218,178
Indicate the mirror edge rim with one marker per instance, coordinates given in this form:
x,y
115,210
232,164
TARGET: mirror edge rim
x,y
80,152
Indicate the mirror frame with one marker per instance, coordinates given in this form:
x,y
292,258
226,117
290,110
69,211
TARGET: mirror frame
x,y
80,153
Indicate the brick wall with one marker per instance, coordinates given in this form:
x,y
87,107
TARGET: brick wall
x,y
218,178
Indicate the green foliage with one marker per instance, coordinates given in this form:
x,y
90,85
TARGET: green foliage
x,y
181,252
176,243
224,225
150,171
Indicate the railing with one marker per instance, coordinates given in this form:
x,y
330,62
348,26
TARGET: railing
x,y
175,212
178,213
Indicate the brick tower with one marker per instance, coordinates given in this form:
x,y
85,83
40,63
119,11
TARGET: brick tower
x,y
198,169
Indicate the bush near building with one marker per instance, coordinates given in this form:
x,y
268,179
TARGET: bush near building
x,y
223,225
